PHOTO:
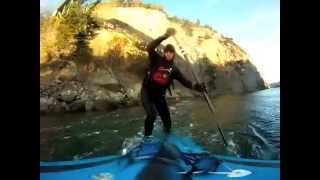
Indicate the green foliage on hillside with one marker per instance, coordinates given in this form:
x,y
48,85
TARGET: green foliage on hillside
x,y
65,35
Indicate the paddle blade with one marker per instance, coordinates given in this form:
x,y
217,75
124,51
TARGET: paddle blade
x,y
239,173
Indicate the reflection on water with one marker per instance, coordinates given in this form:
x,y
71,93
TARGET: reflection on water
x,y
251,124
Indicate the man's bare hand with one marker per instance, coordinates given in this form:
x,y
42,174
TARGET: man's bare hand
x,y
170,32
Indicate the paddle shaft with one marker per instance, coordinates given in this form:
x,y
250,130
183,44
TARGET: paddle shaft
x,y
205,95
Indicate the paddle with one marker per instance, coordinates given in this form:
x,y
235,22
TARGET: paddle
x,y
204,93
234,173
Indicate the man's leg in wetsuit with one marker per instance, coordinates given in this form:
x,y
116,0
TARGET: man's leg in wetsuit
x,y
150,110
164,113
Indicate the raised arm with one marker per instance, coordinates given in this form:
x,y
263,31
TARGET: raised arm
x,y
155,43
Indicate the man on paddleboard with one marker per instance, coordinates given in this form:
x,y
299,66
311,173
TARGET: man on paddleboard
x,y
160,75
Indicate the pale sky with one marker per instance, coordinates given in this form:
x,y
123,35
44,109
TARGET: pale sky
x,y
253,24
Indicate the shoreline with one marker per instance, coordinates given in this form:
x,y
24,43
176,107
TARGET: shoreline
x,y
170,99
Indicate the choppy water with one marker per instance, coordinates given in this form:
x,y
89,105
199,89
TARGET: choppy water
x,y
251,124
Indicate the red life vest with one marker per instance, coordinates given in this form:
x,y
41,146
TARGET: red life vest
x,y
161,76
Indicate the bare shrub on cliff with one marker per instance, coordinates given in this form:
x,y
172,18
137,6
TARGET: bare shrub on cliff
x,y
187,27
134,3
174,19
207,36
155,7
126,55
115,53
209,27
185,24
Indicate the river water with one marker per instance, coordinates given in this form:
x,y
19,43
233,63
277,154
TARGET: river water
x,y
250,122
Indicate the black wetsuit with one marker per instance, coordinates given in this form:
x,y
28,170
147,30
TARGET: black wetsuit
x,y
153,94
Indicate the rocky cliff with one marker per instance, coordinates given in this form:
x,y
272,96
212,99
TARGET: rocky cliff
x,y
110,76
275,85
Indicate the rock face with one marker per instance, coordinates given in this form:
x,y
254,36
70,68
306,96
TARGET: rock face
x,y
275,85
100,91
113,77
